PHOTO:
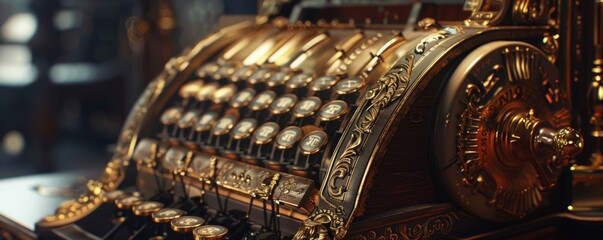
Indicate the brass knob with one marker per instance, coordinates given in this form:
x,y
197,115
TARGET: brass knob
x,y
186,223
568,143
210,232
166,215
525,137
126,203
147,208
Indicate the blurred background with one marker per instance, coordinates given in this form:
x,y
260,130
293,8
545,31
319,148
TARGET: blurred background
x,y
71,69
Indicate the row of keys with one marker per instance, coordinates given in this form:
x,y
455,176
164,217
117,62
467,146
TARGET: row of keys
x,y
263,115
300,110
183,226
285,108
263,78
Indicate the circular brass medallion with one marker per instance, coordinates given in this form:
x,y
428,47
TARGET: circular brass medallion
x,y
128,202
147,208
349,85
243,73
259,76
224,94
207,69
244,128
191,88
224,125
206,121
167,215
306,107
188,119
210,232
265,133
288,137
299,80
333,110
283,104
324,82
242,98
279,78
499,106
206,91
187,223
171,115
313,142
262,100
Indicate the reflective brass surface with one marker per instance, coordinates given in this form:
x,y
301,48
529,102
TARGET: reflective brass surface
x,y
166,215
312,122
147,208
186,223
511,115
210,232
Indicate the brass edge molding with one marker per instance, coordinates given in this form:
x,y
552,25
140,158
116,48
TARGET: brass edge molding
x,y
114,173
298,213
425,228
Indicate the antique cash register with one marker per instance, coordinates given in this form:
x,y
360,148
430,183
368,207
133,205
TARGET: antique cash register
x,y
327,121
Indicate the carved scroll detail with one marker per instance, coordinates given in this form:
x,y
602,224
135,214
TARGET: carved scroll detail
x,y
388,88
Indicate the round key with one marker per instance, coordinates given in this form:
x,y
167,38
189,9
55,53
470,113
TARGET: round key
x,y
128,202
306,107
190,89
259,76
279,78
166,215
243,73
333,110
210,232
189,119
224,125
186,223
300,80
171,115
206,91
288,137
265,133
147,208
313,142
206,121
262,100
224,94
207,69
283,104
242,98
244,128
113,195
224,71
349,85
323,83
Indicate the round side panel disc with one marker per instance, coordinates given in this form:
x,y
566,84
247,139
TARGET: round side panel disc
x,y
497,99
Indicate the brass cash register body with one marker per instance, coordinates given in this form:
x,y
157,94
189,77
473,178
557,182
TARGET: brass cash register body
x,y
326,128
